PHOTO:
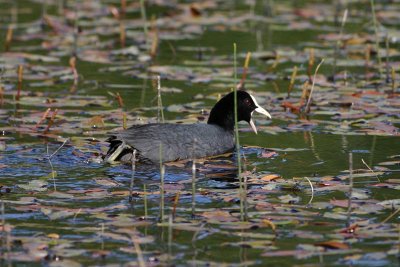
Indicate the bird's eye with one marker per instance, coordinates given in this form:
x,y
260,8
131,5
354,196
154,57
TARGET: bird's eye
x,y
247,101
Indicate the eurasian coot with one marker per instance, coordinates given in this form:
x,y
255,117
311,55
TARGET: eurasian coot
x,y
185,141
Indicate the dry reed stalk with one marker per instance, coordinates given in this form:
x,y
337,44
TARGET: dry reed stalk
x,y
237,142
20,72
122,33
115,12
169,239
139,252
53,173
276,62
133,163
76,30
390,216
144,18
176,201
123,8
76,214
369,168
50,24
394,85
145,201
338,44
193,189
3,227
51,164
376,37
159,101
311,62
387,58
276,87
51,121
312,190
44,8
44,116
305,92
312,86
292,79
367,58
60,8
124,123
154,45
269,223
245,70
162,173
1,95
350,188
9,37
155,40
102,236
72,64
244,197
119,99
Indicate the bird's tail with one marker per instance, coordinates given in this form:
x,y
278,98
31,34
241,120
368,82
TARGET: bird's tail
x,y
117,150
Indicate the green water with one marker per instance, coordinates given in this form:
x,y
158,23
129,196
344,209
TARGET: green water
x,y
86,204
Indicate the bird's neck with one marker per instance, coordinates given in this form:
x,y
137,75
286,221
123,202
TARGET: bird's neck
x,y
224,119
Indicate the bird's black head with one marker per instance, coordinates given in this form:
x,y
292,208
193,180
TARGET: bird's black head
x,y
222,113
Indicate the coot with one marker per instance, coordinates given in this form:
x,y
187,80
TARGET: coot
x,y
185,141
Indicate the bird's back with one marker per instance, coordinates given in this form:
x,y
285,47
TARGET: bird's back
x,y
177,141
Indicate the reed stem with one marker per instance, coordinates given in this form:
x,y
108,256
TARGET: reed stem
x,y
144,18
394,84
169,236
76,31
3,224
338,43
376,37
350,189
9,37
387,59
162,173
133,162
162,194
292,80
239,162
124,122
159,101
20,72
145,201
193,189
312,86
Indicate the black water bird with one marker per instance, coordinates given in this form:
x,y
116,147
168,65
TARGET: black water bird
x,y
185,141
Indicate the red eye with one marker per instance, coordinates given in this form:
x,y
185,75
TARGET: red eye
x,y
247,101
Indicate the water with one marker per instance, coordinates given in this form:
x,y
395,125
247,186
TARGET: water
x,y
82,215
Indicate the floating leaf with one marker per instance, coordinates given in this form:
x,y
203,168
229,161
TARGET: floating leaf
x,y
332,245
35,185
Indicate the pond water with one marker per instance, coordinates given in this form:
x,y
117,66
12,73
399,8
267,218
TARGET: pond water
x,y
63,206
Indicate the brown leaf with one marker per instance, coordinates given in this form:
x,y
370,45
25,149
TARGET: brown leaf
x,y
219,215
270,177
96,121
54,236
268,154
332,245
349,230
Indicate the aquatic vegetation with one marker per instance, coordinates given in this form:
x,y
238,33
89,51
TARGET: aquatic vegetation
x,y
318,184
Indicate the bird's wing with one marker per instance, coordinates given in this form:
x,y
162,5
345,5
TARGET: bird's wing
x,y
177,141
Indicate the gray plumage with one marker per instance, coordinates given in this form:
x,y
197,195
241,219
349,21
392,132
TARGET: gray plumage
x,y
185,141
179,141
